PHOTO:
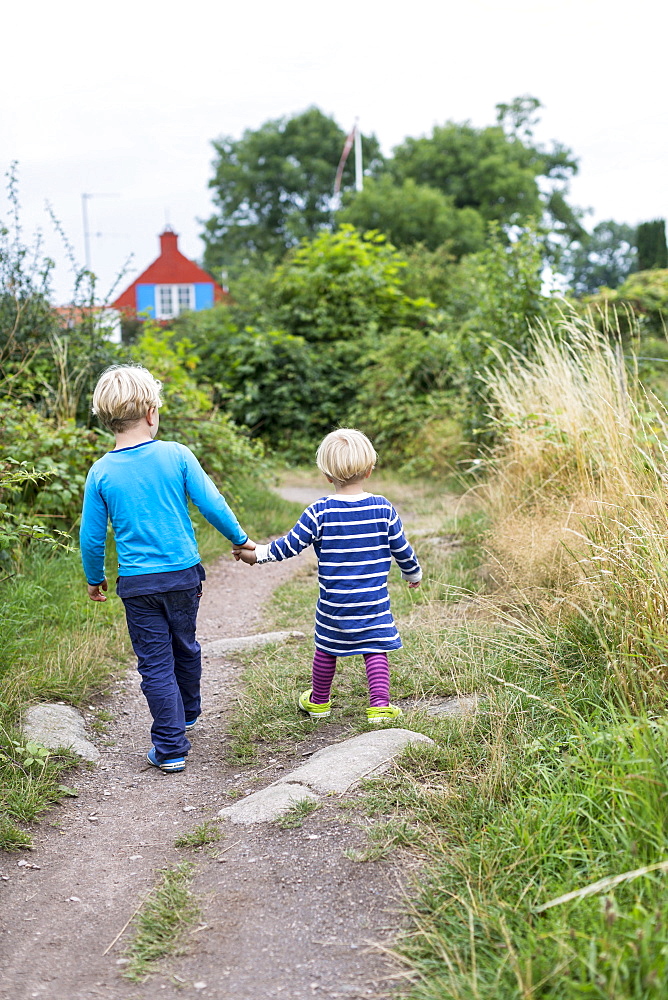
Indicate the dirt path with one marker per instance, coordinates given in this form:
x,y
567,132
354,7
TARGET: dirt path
x,y
285,913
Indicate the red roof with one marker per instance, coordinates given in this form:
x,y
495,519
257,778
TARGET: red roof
x,y
170,268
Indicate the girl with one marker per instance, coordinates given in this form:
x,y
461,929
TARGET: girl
x,y
354,534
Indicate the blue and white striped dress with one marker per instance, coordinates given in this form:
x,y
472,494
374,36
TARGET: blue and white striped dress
x,y
355,538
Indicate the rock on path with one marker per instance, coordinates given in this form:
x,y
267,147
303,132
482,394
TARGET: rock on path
x,y
244,642
55,726
334,769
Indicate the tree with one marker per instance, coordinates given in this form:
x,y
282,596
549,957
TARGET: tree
x,y
651,242
341,286
274,186
496,169
602,259
411,213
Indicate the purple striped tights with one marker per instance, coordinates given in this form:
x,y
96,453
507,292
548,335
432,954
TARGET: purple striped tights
x,y
377,673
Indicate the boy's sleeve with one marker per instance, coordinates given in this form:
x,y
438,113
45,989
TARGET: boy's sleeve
x,y
93,532
401,550
210,502
297,539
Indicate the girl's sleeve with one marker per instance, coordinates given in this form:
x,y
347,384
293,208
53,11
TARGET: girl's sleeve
x,y
93,532
209,501
304,533
401,550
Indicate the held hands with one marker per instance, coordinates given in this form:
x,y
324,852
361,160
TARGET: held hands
x,y
245,552
94,592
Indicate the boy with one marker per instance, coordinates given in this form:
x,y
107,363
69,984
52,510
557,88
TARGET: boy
x,y
143,487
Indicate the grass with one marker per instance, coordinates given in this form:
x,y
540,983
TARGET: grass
x,y
205,833
296,814
162,923
55,646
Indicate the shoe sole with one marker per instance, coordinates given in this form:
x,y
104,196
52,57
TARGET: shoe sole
x,y
190,726
168,766
314,716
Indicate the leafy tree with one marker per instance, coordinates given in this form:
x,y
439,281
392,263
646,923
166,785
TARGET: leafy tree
x,y
495,170
411,213
651,242
605,258
274,186
340,286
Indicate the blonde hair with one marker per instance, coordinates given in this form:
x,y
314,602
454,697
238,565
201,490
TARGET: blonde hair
x,y
346,455
124,394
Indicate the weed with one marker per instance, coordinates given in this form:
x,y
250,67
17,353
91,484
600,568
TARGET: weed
x,y
206,833
99,722
161,924
296,814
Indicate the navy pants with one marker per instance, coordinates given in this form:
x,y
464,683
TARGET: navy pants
x,y
162,631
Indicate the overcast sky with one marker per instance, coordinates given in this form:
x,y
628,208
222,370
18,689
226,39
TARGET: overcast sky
x,y
124,99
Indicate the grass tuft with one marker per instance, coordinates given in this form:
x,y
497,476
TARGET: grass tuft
x,y
161,924
206,833
296,814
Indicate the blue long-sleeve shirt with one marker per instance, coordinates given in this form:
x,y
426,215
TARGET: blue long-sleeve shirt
x,y
144,492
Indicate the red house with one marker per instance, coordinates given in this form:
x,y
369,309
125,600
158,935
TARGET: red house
x,y
171,285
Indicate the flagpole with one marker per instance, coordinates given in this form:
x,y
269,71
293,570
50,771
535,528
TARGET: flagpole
x,y
359,183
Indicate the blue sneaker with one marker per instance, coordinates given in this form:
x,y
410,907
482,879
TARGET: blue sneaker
x,y
169,766
191,725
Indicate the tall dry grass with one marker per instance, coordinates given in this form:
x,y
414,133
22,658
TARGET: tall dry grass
x,y
577,496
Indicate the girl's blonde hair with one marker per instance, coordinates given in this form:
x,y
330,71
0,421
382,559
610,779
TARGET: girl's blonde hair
x,y
124,394
345,455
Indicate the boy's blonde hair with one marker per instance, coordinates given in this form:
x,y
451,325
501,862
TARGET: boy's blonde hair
x,y
123,395
346,455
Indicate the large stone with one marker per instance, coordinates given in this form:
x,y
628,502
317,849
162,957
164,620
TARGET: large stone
x,y
338,767
333,769
221,646
464,704
55,726
268,804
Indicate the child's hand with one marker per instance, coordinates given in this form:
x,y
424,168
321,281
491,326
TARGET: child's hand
x,y
94,592
245,552
245,555
414,586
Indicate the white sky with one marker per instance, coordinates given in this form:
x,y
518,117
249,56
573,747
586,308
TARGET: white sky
x,y
125,98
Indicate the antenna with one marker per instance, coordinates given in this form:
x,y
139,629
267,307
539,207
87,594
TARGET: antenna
x,y
86,231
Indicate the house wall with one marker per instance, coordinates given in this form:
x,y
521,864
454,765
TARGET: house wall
x,y
145,297
203,296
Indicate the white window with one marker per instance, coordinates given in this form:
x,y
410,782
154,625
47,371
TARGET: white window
x,y
171,300
164,310
185,297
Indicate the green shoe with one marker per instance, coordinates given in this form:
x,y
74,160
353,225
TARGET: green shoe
x,y
315,711
383,713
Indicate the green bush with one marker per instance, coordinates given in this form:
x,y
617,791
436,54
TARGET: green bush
x,y
60,455
408,402
641,301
